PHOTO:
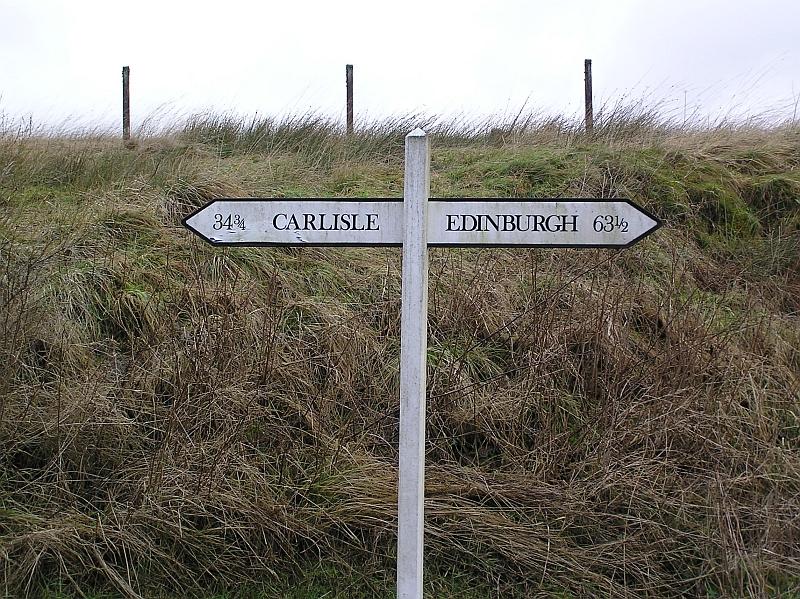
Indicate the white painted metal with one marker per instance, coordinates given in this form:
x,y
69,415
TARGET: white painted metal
x,y
613,223
537,222
299,221
413,364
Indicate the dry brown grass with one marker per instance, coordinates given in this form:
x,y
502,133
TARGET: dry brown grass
x,y
180,418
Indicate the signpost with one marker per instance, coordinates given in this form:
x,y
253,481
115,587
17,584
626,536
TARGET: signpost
x,y
415,223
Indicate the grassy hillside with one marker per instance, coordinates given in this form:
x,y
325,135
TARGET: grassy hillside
x,y
177,419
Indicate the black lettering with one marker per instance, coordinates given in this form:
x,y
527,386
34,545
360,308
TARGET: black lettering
x,y
538,222
557,227
308,222
474,225
372,222
275,222
574,223
451,220
519,223
508,222
344,222
495,223
293,223
355,223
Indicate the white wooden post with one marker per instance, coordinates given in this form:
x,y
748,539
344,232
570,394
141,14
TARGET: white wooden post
x,y
413,364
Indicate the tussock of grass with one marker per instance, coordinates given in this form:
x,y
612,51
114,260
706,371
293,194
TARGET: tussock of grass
x,y
176,418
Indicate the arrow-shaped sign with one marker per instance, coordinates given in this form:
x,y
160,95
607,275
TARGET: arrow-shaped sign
x,y
451,222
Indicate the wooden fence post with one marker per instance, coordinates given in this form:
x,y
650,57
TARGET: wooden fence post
x,y
126,104
587,80
349,81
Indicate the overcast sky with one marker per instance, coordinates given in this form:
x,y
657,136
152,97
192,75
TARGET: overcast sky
x,y
61,61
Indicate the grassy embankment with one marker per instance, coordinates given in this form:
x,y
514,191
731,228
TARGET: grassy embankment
x,y
179,420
